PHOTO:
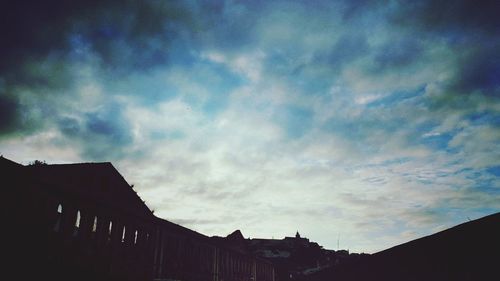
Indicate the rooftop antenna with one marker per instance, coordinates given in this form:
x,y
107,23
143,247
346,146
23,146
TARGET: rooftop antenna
x,y
338,238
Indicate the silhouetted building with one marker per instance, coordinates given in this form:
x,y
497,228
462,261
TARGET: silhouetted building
x,y
85,222
466,252
293,257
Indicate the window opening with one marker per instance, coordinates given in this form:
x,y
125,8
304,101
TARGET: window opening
x,y
77,223
94,225
110,228
57,225
123,234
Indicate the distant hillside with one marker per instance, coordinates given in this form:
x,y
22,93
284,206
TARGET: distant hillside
x,y
469,251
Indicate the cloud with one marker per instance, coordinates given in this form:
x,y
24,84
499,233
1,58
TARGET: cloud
x,y
461,26
110,29
8,115
398,54
447,17
108,130
479,72
50,44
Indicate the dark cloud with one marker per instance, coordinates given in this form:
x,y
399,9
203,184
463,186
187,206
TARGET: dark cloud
x,y
16,118
49,48
475,82
397,54
316,75
33,29
450,17
30,29
479,71
101,134
354,8
471,32
113,128
469,29
228,25
9,117
348,47
69,126
43,40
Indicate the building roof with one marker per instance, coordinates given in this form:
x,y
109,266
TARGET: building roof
x,y
99,182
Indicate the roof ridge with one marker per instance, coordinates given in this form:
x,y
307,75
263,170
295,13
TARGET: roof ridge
x,y
106,162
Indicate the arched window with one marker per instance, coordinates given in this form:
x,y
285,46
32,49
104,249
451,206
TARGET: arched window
x,y
123,234
110,229
94,225
77,223
57,225
78,218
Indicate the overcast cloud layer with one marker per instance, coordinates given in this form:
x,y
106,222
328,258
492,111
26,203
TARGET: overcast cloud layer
x,y
368,122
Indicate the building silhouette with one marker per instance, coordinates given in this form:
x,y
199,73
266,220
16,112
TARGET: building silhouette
x,y
85,222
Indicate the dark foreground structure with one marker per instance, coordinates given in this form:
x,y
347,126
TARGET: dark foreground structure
x,y
466,252
85,222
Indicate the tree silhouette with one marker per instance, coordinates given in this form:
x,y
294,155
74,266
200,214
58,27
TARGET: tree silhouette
x,y
37,163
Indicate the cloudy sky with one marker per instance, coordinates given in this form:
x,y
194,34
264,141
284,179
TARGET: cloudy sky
x,y
368,123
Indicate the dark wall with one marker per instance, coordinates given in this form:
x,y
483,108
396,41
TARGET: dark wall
x,y
56,232
468,251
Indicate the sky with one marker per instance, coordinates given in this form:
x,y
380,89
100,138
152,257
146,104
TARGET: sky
x,y
360,124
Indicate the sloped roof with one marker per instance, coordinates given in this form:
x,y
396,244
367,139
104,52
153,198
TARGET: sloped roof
x,y
99,182
4,162
236,236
